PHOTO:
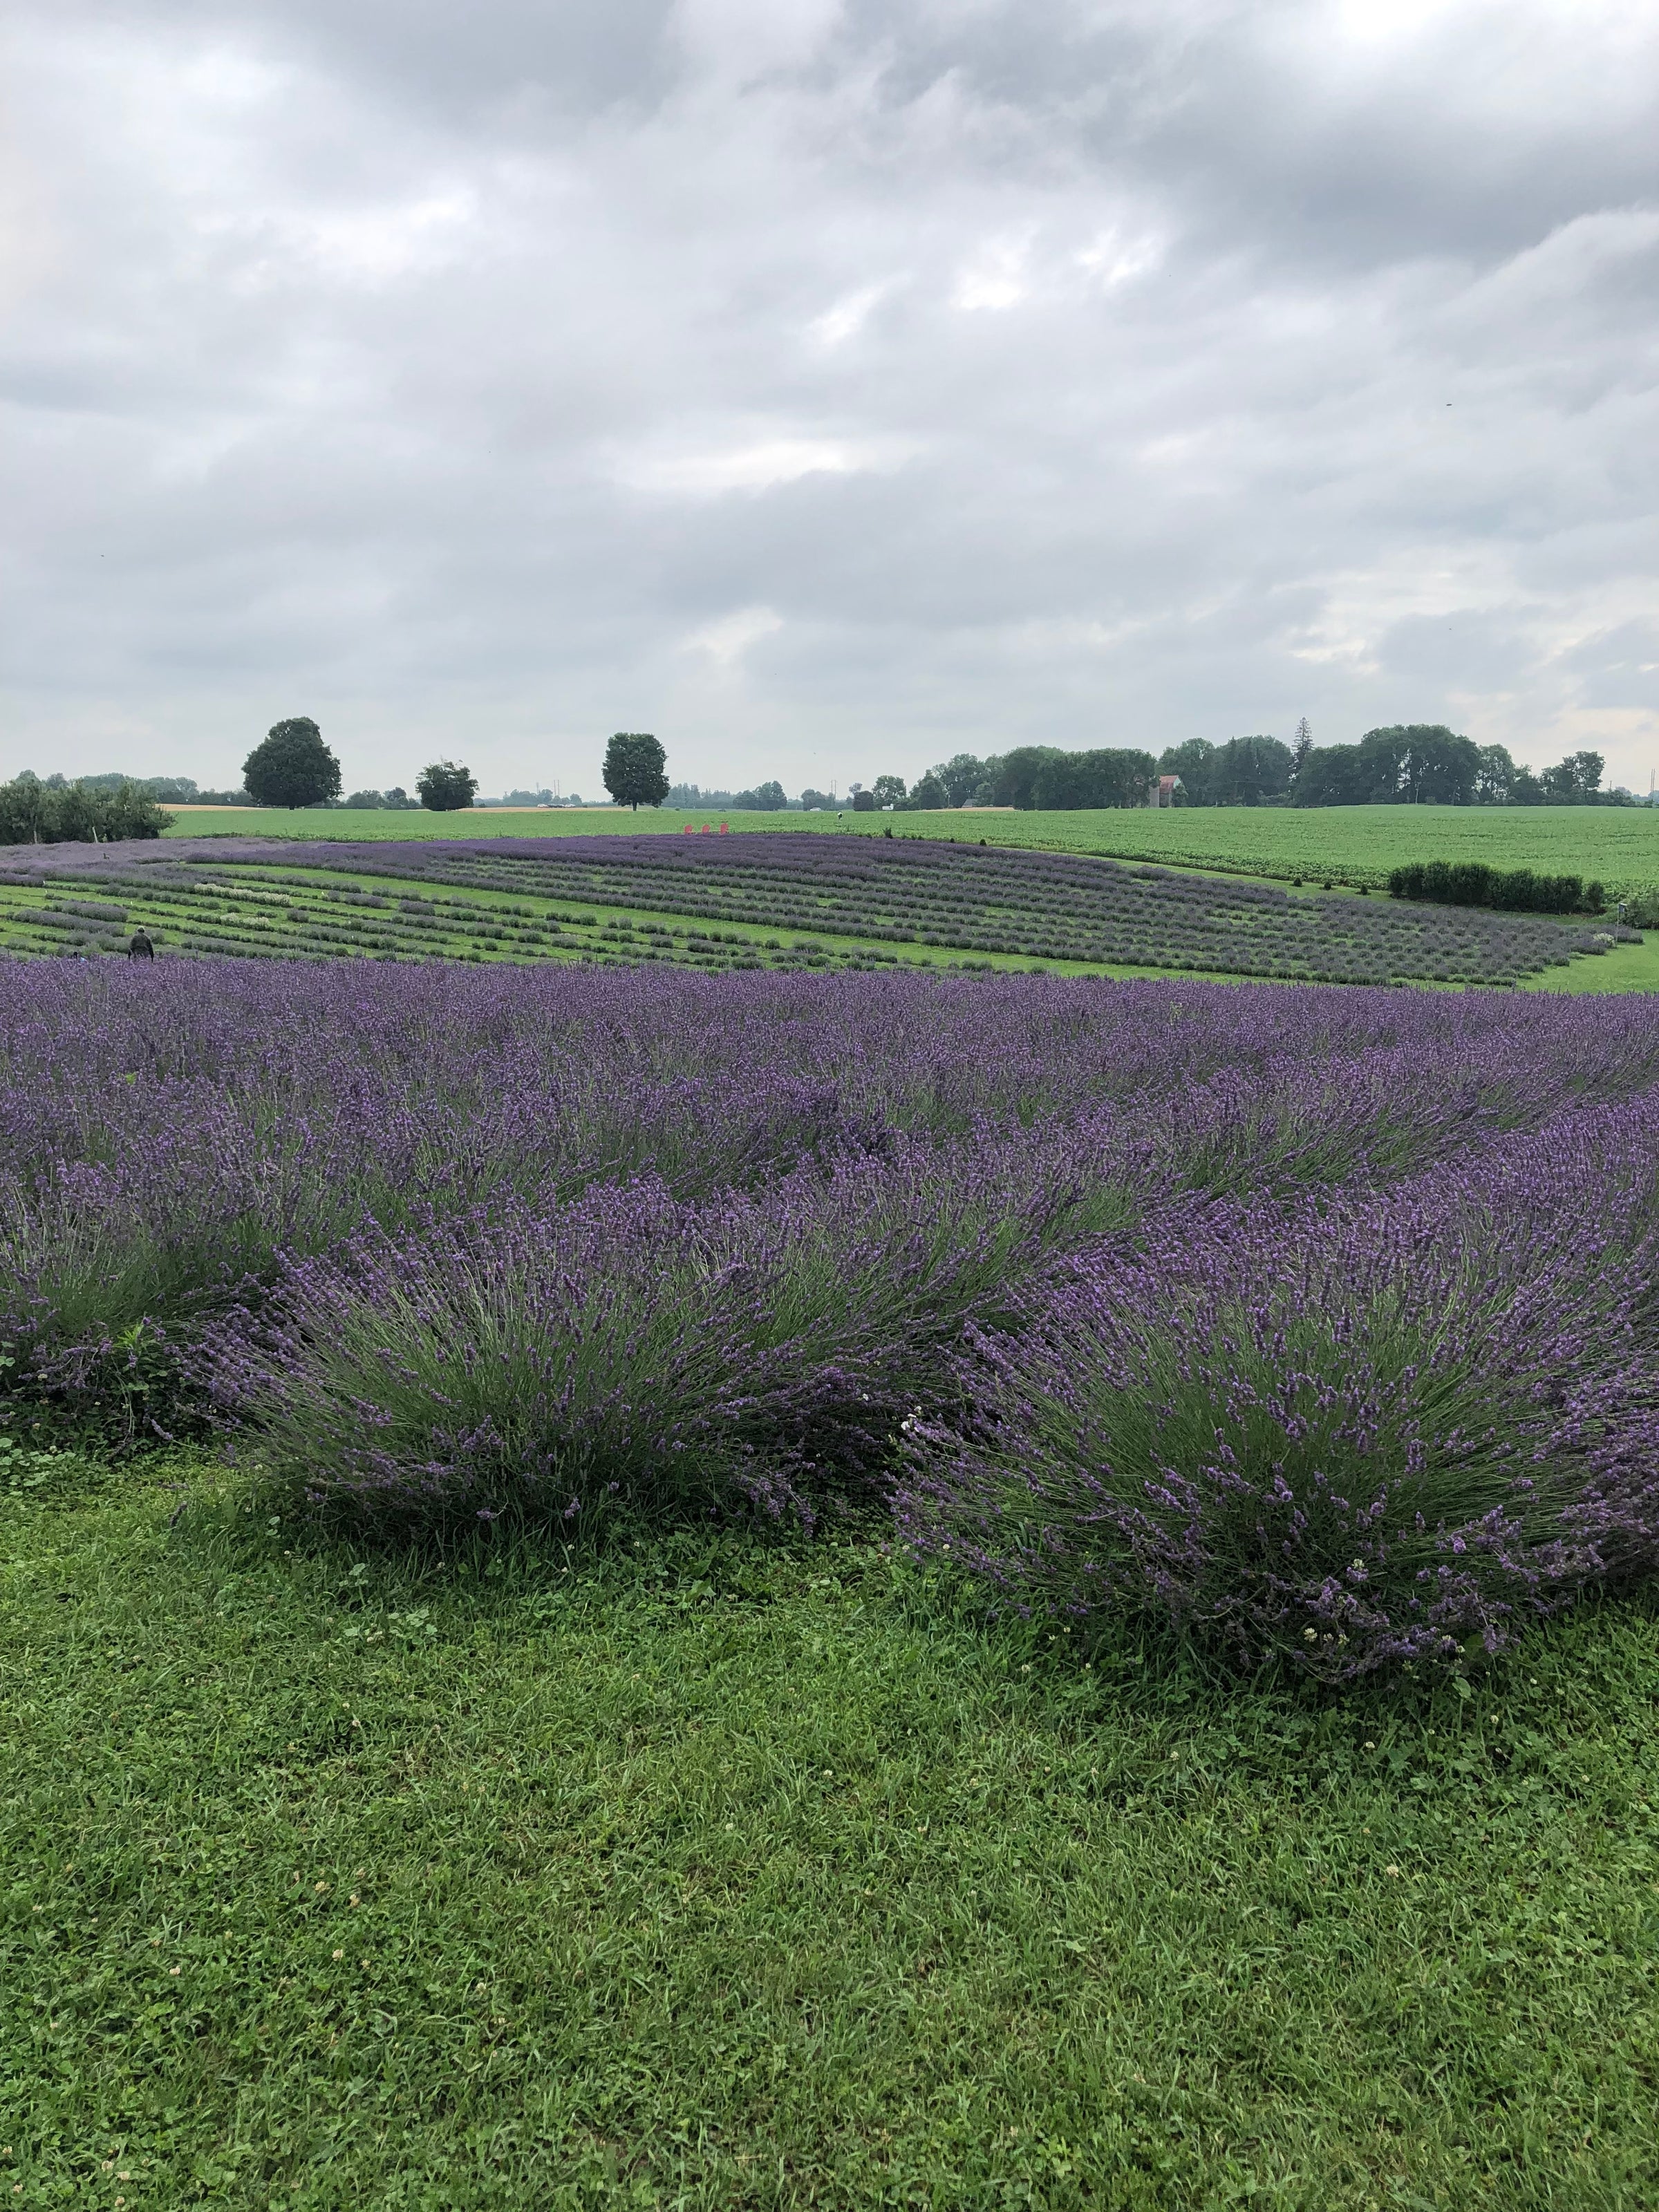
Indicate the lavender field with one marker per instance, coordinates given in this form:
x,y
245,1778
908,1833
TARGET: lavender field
x,y
1316,1323
775,900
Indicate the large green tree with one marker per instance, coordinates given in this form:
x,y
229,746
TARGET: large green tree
x,y
929,795
1574,781
1494,775
1013,775
962,776
292,767
1248,770
1109,777
447,787
636,769
1193,761
1413,760
1332,775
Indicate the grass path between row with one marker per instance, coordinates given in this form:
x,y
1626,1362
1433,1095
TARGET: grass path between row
x,y
710,1872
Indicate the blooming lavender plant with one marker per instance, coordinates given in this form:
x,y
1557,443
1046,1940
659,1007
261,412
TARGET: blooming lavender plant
x,y
1348,1429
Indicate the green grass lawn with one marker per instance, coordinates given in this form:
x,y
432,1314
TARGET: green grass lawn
x,y
1352,844
712,1872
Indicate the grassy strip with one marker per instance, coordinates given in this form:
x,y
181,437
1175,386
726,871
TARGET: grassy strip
x,y
710,1873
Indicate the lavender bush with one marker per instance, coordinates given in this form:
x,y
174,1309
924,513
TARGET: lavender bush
x,y
637,1344
1352,1429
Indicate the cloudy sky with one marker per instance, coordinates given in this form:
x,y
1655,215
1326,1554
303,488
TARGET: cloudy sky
x,y
827,386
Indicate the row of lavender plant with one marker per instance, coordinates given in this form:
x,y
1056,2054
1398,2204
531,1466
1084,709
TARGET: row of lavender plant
x,y
1246,1304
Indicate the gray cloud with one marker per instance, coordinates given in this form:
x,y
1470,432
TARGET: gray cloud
x,y
825,385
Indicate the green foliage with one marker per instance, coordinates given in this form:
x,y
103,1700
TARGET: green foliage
x,y
292,767
1247,771
91,812
1575,780
1193,763
1104,778
888,790
1011,777
445,787
765,799
635,771
1516,890
702,1871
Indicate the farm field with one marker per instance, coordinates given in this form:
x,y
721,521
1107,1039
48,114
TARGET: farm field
x,y
722,901
1353,845
575,1713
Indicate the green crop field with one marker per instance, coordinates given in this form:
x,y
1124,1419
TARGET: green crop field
x,y
1620,845
729,1877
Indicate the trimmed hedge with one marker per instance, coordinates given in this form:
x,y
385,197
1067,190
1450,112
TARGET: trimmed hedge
x,y
1516,890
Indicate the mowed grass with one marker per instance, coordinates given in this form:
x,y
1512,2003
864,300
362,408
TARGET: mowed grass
x,y
708,1872
1348,844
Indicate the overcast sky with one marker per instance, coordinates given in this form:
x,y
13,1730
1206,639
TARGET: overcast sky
x,y
827,386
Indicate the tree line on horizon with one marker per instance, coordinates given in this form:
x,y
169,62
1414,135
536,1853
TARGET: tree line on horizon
x,y
1403,762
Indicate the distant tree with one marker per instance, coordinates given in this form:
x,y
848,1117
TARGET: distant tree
x,y
1494,775
1245,771
292,767
929,795
683,794
1334,775
961,775
1526,789
764,799
445,787
366,799
396,796
1574,781
1193,761
633,770
889,790
812,798
1301,746
864,802
1421,761
1013,775
1107,777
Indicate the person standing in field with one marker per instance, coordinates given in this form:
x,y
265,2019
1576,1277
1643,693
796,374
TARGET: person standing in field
x,y
141,948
